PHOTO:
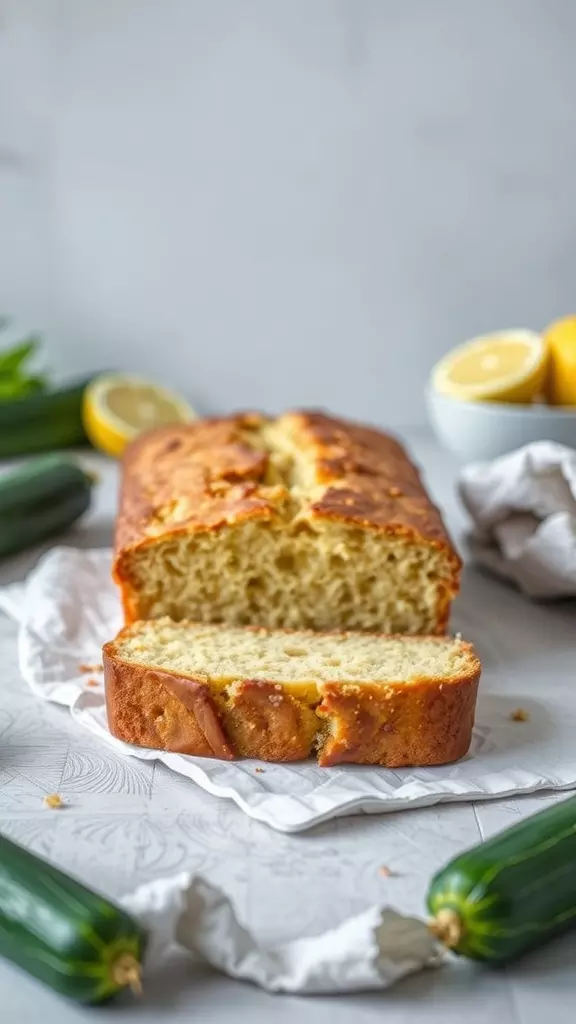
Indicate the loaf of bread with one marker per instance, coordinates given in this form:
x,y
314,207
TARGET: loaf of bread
x,y
279,695
302,522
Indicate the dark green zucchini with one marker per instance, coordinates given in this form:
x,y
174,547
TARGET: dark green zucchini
x,y
42,498
511,893
42,422
64,934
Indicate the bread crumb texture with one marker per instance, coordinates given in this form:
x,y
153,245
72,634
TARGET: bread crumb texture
x,y
303,522
520,715
53,801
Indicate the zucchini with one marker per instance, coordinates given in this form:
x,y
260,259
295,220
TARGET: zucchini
x,y
64,934
511,893
42,421
42,498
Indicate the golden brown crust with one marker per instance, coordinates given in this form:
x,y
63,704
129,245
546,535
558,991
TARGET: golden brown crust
x,y
197,698
425,722
398,725
188,463
214,478
370,481
265,723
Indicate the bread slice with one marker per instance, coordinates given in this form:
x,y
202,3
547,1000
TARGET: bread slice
x,y
306,522
278,695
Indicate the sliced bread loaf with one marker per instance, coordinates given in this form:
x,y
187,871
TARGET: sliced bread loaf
x,y
278,695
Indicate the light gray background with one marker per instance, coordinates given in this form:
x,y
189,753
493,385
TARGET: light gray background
x,y
283,202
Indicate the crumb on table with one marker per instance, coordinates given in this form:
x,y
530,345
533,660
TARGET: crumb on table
x,y
259,770
53,801
91,668
520,715
385,871
92,682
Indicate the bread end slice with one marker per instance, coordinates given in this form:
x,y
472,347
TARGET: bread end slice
x,y
281,695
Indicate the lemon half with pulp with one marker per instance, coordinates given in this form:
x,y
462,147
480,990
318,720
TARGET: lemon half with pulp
x,y
116,408
506,366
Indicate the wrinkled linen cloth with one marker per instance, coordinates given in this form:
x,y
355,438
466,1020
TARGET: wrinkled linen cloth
x,y
523,510
369,951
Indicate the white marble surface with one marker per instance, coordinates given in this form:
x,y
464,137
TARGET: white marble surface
x,y
125,822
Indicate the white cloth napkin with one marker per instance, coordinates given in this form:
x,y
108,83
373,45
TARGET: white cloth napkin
x,y
369,951
523,507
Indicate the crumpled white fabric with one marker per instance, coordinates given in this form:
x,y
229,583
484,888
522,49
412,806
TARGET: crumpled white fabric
x,y
371,950
523,507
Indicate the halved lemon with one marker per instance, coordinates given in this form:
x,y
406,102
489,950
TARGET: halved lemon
x,y
561,340
506,366
117,408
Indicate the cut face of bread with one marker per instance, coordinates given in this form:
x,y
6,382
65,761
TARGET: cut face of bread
x,y
304,521
278,695
289,575
299,658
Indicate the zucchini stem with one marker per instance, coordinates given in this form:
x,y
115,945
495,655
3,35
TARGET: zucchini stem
x,y
447,927
126,971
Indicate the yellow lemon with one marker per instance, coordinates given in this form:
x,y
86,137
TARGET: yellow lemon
x,y
117,408
561,340
507,366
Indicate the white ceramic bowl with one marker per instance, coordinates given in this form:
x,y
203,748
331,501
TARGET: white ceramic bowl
x,y
483,430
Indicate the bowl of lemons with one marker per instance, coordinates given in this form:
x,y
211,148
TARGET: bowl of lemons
x,y
503,390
